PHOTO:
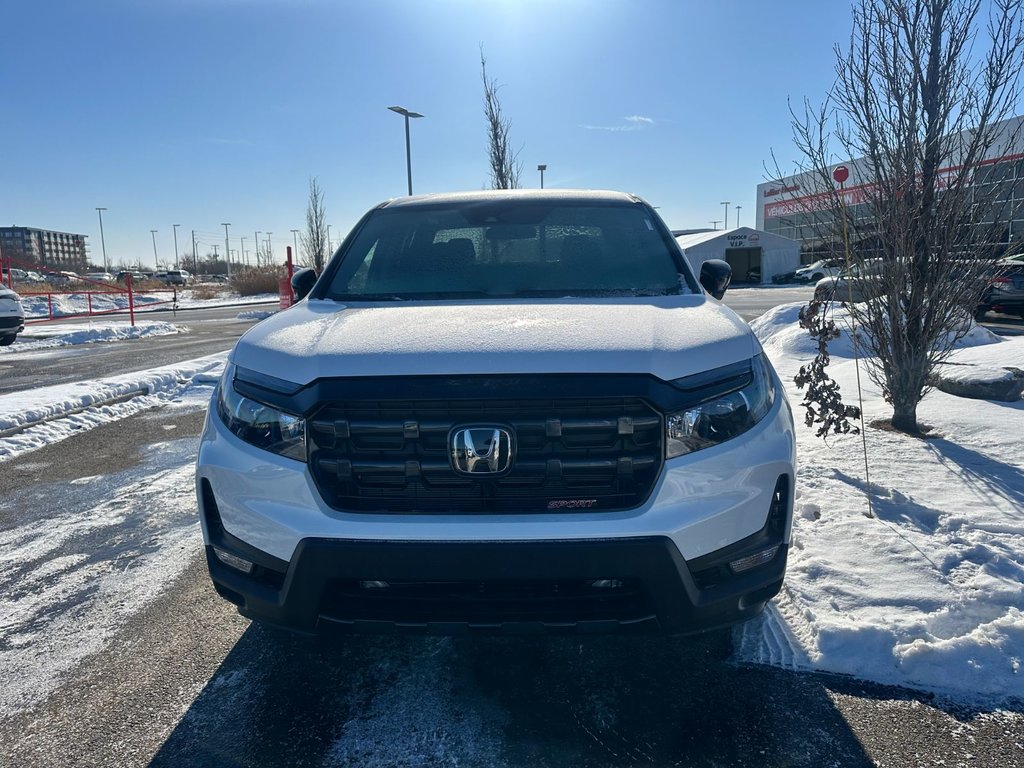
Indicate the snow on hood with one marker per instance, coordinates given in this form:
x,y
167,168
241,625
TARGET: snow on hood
x,y
670,337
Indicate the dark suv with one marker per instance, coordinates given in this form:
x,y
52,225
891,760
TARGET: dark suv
x,y
1005,293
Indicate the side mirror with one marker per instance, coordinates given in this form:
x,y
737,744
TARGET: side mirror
x,y
715,275
303,282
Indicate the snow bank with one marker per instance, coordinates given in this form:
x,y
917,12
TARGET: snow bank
x,y
67,304
34,418
781,335
51,336
929,592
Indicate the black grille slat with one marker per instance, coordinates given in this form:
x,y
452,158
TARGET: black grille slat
x,y
572,454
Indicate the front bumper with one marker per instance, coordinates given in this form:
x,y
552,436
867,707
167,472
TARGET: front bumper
x,y
12,323
452,588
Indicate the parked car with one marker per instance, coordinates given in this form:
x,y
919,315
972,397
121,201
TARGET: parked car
x,y
500,411
859,283
1005,292
17,275
12,316
784,278
819,269
64,278
174,277
99,277
122,276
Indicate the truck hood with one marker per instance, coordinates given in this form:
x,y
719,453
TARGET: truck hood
x,y
668,337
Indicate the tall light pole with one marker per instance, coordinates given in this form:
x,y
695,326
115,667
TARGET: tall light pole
x,y
175,228
244,260
195,253
714,224
103,242
227,247
408,148
328,239
726,204
156,259
257,243
270,250
295,241
738,209
542,168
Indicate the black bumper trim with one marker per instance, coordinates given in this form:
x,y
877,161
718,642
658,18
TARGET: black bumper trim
x,y
671,600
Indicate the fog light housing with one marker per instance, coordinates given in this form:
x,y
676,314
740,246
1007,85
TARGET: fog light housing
x,y
754,560
233,561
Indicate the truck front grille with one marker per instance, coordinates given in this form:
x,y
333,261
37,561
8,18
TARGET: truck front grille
x,y
570,455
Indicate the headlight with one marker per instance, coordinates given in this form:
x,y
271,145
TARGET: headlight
x,y
260,424
726,402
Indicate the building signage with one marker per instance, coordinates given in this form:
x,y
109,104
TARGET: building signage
x,y
781,190
855,195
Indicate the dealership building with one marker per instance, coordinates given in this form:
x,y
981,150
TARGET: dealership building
x,y
791,207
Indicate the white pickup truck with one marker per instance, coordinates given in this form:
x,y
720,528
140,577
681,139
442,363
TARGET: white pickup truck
x,y
500,412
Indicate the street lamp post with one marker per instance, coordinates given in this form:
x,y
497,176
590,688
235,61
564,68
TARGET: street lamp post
x,y
408,149
175,228
244,260
156,259
256,242
738,209
328,239
270,249
714,224
195,253
726,204
227,247
295,241
542,168
103,242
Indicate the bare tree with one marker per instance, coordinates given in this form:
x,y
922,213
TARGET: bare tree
x,y
926,114
314,239
505,165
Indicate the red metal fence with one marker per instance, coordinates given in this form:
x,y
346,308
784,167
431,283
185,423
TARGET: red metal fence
x,y
102,289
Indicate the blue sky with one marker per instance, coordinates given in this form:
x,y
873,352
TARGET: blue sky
x,y
198,112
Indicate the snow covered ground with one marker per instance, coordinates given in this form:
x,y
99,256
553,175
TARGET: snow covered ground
x,y
928,593
63,305
53,335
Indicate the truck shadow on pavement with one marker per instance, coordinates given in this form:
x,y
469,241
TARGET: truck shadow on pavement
x,y
278,700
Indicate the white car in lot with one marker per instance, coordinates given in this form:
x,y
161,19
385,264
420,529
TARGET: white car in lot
x,y
819,269
12,316
514,411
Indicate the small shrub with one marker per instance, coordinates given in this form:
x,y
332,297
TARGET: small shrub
x,y
206,292
255,281
822,401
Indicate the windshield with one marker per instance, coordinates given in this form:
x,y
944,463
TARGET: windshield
x,y
508,250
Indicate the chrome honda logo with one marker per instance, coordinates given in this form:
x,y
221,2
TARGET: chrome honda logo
x,y
484,450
